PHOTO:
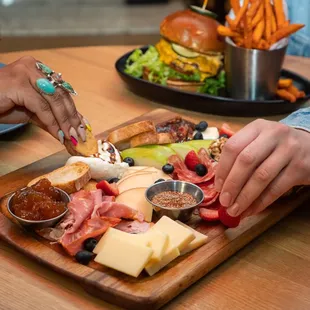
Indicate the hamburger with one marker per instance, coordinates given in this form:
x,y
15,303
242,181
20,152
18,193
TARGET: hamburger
x,y
189,52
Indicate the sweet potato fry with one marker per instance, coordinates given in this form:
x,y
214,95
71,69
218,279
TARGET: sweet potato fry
x,y
235,5
227,32
278,6
240,14
285,83
284,94
229,21
259,15
268,20
258,31
302,94
247,32
285,32
254,7
296,92
273,21
263,45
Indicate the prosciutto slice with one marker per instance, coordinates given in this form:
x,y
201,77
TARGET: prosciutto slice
x,y
134,227
182,173
90,228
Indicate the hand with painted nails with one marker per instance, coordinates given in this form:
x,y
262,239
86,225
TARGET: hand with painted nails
x,y
32,92
259,164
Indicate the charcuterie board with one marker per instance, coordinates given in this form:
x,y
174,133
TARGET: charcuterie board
x,y
143,292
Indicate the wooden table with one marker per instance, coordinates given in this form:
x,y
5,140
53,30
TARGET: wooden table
x,y
273,272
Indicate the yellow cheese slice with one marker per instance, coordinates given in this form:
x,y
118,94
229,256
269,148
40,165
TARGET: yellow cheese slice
x,y
141,179
158,242
124,256
171,253
200,239
178,235
135,198
140,239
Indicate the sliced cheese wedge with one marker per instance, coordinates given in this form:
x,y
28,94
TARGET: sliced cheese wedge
x,y
140,179
158,242
139,239
200,239
123,255
179,235
171,253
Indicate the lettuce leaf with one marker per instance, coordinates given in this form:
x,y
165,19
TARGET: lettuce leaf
x,y
212,86
159,72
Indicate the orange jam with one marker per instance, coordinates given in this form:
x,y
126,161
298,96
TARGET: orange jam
x,y
41,201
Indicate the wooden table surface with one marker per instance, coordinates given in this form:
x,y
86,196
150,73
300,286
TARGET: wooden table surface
x,y
273,272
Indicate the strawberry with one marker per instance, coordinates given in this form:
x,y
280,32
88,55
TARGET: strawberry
x,y
108,189
191,160
209,215
226,130
228,220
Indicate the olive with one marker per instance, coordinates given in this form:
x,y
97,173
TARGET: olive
x,y
129,161
113,180
89,244
201,170
159,180
202,126
84,257
224,136
168,168
198,136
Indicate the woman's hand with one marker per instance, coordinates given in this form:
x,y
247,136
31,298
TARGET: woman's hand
x,y
259,164
22,101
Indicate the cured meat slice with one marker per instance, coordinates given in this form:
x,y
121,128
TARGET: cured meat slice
x,y
119,210
182,173
134,227
209,215
91,228
209,203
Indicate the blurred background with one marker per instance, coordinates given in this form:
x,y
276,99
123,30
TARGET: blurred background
x,y
37,24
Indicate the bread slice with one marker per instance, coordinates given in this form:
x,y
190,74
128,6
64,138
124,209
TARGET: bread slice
x,y
165,138
87,148
69,178
124,134
90,185
145,138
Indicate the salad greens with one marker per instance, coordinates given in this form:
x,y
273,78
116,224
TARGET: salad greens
x,y
160,72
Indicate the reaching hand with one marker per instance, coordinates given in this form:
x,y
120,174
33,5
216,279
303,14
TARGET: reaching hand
x,y
259,164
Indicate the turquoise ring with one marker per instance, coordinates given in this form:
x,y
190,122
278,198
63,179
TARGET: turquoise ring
x,y
55,78
46,87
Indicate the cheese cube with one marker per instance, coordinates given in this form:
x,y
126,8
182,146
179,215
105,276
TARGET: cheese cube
x,y
171,253
178,235
140,239
199,240
124,256
158,242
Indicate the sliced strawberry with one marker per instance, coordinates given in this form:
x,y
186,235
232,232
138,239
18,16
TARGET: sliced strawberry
x,y
226,130
191,160
209,215
228,220
108,189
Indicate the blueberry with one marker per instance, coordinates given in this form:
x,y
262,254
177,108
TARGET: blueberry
x,y
202,126
113,180
90,244
201,170
159,180
84,257
224,136
168,168
198,136
129,161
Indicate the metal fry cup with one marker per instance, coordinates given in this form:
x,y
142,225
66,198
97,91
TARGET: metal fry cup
x,y
253,74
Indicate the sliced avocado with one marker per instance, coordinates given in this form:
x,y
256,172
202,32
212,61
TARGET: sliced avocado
x,y
202,11
184,52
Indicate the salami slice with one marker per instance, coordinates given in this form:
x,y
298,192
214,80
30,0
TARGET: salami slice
x,y
184,174
209,203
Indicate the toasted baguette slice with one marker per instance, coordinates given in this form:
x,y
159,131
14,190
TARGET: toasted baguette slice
x,y
90,185
165,138
87,148
145,138
124,134
69,178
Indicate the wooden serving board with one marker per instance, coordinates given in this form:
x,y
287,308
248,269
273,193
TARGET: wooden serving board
x,y
144,292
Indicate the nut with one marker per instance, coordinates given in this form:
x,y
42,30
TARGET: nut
x,y
216,147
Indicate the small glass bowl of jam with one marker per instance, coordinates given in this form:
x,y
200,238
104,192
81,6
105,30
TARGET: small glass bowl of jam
x,y
38,206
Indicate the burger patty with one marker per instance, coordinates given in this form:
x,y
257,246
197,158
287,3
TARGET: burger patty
x,y
207,65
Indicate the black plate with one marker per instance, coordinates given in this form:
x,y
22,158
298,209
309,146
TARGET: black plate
x,y
212,104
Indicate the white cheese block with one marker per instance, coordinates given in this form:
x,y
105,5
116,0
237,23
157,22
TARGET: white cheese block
x,y
171,253
122,255
135,199
200,239
141,240
211,133
178,235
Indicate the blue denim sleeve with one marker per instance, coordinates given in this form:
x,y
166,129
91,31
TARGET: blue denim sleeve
x,y
299,119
